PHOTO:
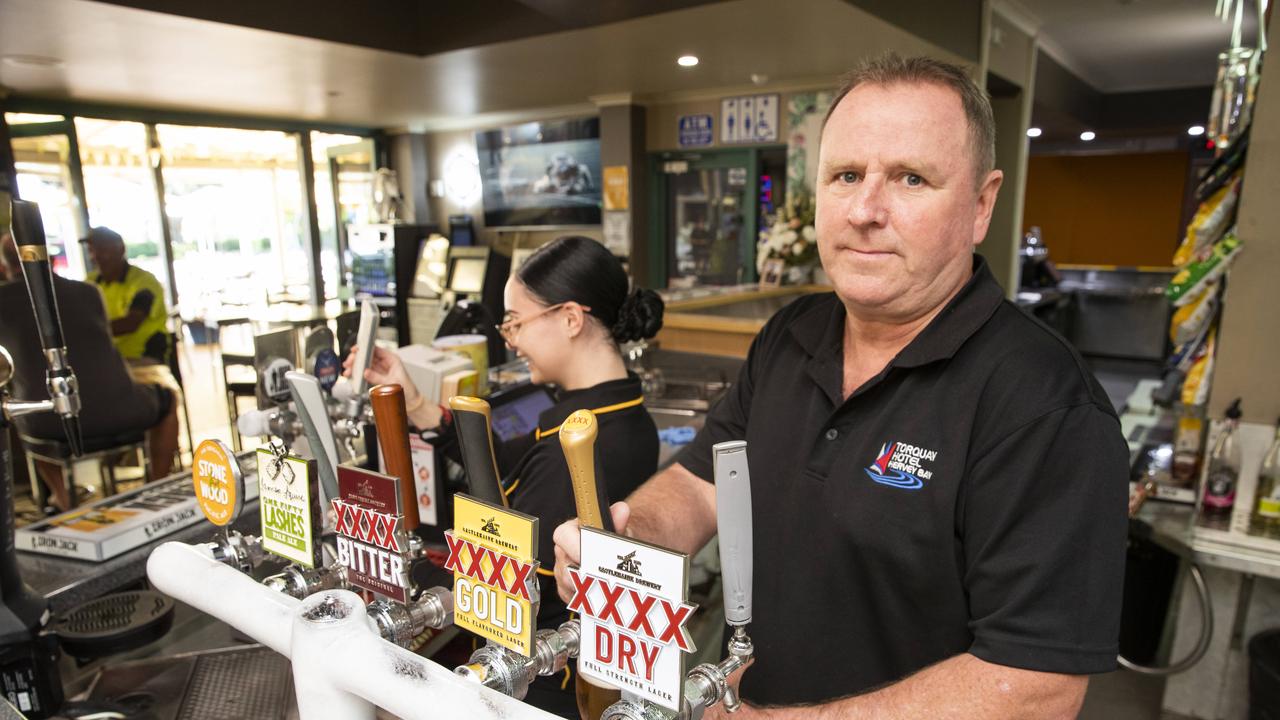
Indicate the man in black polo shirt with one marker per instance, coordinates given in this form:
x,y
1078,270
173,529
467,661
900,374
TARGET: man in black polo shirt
x,y
939,484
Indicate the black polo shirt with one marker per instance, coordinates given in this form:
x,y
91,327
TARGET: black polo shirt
x,y
969,498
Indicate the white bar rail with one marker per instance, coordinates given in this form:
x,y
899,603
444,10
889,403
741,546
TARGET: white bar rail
x,y
342,669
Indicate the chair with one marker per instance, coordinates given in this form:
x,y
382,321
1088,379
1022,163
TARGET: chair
x,y
174,367
105,450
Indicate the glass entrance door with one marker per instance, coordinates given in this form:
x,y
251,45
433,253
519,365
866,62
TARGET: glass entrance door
x,y
709,217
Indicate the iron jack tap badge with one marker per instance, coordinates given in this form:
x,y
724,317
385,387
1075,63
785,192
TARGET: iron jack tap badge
x,y
289,513
493,555
632,598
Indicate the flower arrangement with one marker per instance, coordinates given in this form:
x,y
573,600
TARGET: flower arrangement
x,y
792,237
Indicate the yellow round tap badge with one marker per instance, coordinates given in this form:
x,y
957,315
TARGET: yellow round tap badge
x,y
218,482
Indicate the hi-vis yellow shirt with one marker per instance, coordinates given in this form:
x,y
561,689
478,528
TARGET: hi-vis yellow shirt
x,y
141,289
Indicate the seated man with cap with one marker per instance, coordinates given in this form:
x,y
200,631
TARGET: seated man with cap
x,y
113,405
134,298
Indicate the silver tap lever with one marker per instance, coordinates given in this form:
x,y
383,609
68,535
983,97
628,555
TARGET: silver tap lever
x,y
313,411
242,552
60,379
400,624
299,582
510,673
733,528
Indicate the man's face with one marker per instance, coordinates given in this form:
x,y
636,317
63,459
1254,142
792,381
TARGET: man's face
x,y
898,208
107,256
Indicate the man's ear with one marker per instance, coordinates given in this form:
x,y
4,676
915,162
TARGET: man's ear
x,y
986,204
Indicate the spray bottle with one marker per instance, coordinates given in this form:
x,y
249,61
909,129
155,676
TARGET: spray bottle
x,y
1218,496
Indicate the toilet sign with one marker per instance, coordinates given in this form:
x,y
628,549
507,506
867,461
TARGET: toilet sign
x,y
632,599
218,482
493,555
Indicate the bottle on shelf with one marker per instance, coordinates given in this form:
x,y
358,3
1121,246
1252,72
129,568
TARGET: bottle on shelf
x,y
1266,510
1218,496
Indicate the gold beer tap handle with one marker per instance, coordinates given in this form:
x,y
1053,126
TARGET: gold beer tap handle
x,y
578,440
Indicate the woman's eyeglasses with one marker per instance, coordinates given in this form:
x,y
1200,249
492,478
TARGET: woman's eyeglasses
x,y
510,327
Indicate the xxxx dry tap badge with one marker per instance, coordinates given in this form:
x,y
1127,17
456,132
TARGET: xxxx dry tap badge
x,y
631,596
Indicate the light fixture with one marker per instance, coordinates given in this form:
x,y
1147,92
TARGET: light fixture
x,y
1088,135
687,60
1195,130
1033,132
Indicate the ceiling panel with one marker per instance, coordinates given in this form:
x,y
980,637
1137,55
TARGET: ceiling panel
x,y
113,54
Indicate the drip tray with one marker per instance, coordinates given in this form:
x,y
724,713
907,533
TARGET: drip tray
x,y
232,684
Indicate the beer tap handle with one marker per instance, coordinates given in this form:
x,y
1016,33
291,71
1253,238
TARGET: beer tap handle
x,y
393,440
309,400
28,234
733,526
578,441
471,418
365,336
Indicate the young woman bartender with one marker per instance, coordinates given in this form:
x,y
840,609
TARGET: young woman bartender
x,y
568,308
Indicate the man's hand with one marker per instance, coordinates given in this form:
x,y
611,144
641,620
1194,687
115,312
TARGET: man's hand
x,y
569,548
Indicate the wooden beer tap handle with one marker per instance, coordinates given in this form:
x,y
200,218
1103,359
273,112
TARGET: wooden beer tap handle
x,y
393,440
475,440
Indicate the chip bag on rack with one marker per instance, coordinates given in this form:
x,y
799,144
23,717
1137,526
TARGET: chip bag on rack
x,y
1189,320
1192,279
1210,222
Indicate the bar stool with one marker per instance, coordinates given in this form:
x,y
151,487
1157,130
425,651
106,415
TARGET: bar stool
x,y
105,450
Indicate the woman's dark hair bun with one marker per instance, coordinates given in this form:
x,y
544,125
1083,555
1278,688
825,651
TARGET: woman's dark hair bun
x,y
640,316
582,270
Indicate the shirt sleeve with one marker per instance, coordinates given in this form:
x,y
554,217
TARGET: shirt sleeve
x,y
142,301
726,421
1043,523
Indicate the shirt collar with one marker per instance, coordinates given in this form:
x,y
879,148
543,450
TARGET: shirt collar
x,y
820,330
610,392
99,280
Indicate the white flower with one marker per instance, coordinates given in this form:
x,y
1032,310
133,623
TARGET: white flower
x,y
810,233
799,247
789,237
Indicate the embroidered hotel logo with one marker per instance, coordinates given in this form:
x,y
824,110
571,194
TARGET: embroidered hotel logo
x,y
628,563
490,526
899,465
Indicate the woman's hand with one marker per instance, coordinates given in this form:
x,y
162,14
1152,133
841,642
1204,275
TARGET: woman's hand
x,y
386,368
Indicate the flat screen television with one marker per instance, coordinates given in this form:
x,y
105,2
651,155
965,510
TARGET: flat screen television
x,y
541,173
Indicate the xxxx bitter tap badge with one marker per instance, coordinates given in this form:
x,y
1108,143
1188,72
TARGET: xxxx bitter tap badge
x,y
632,599
219,484
493,555
287,492
372,543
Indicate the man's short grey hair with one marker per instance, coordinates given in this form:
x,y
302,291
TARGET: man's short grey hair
x,y
893,69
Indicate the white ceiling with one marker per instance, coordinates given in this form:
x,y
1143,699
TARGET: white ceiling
x,y
1130,45
121,55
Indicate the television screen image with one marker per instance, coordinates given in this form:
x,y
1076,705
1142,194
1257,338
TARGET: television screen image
x,y
542,173
467,275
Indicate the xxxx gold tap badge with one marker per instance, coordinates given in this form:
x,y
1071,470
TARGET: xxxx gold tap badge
x,y
493,555
286,488
219,484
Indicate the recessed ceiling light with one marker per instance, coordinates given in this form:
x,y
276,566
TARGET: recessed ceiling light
x,y
687,60
1033,132
1195,130
1088,135
33,61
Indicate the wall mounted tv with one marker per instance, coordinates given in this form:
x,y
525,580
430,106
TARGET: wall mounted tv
x,y
541,173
